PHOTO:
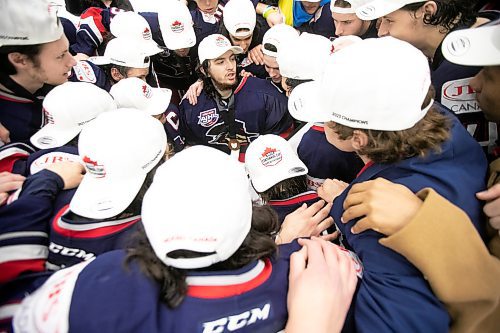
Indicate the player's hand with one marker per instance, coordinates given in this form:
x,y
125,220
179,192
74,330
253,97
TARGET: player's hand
x,y
70,172
492,207
256,55
80,57
305,222
331,189
322,281
193,92
275,18
387,207
4,134
9,182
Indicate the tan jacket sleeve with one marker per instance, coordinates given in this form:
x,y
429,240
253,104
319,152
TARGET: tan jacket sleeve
x,y
443,244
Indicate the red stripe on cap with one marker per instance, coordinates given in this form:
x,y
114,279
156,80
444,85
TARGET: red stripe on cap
x,y
294,200
12,269
233,289
367,165
94,233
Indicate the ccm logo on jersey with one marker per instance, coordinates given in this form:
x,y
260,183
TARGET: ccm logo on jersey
x,y
70,252
459,97
233,323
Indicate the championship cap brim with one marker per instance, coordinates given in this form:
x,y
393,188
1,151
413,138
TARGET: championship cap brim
x,y
473,47
102,198
52,136
305,104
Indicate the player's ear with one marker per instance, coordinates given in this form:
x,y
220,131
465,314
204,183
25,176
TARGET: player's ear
x,y
116,75
429,9
359,139
18,60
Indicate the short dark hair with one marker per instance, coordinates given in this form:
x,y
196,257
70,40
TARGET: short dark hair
x,y
292,83
123,70
449,14
31,51
342,3
258,244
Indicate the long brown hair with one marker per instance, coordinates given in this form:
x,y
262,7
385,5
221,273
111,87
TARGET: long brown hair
x,y
258,244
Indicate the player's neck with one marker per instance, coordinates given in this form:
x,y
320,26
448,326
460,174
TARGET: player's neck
x,y
26,81
224,93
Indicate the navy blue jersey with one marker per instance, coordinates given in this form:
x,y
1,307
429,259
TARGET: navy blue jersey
x,y
24,228
22,116
324,160
259,109
287,206
104,296
391,284
321,23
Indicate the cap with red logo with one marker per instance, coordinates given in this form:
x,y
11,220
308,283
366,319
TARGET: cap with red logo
x,y
176,25
215,45
118,149
269,160
134,26
135,93
123,51
68,108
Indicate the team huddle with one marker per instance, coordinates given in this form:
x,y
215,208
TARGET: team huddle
x,y
275,166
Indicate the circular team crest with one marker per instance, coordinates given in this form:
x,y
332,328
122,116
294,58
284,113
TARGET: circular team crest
x,y
177,26
271,157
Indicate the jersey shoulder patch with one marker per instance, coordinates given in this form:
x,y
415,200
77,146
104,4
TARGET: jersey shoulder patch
x,y
84,72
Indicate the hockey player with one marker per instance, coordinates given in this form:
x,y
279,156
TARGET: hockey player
x,y
33,54
164,282
425,24
424,146
231,113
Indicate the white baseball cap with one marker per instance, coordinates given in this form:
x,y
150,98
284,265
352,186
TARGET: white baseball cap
x,y
218,224
355,4
239,17
269,160
474,47
176,25
133,26
28,22
214,46
134,93
123,51
378,8
276,35
118,150
304,58
68,108
382,91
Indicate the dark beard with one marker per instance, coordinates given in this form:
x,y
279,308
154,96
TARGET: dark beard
x,y
222,87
